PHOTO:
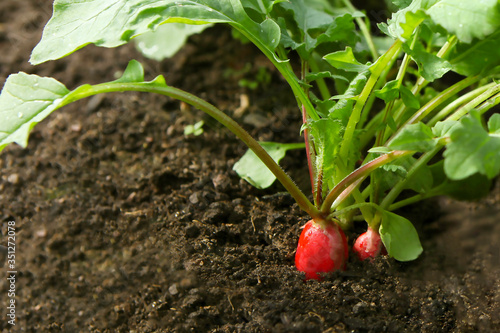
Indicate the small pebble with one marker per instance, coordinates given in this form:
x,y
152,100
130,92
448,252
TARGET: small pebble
x,y
13,178
173,289
359,307
77,127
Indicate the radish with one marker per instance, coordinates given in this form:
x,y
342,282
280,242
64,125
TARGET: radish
x,y
322,248
369,245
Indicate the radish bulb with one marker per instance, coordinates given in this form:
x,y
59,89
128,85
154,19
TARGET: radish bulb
x,y
322,248
369,245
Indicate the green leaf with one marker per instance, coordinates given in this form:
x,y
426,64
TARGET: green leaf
x,y
110,23
196,129
412,21
347,97
494,124
133,73
380,150
261,6
25,101
341,29
401,3
251,168
391,123
302,23
306,24
322,75
404,22
467,19
343,108
345,60
418,137
444,128
473,149
327,136
167,39
322,106
399,237
430,66
481,56
422,181
408,98
389,92
390,174
473,187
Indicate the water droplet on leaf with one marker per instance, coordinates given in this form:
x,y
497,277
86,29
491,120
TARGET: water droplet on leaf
x,y
20,115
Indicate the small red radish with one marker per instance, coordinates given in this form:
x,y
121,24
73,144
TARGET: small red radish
x,y
322,248
368,245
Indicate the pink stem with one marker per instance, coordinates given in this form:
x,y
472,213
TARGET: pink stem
x,y
360,173
309,160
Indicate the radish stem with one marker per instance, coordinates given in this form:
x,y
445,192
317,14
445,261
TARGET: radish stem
x,y
360,173
376,69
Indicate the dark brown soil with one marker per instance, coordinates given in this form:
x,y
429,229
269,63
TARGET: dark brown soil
x,y
126,225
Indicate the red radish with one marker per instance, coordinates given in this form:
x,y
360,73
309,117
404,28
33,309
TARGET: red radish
x,y
322,248
368,245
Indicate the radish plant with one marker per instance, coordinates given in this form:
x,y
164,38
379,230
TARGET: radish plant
x,y
391,115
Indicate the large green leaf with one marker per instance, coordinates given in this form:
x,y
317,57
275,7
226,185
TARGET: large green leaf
x,y
430,66
110,23
25,101
399,237
345,60
410,100
401,3
341,29
389,92
302,18
467,19
471,188
165,41
473,149
261,6
403,23
251,168
343,108
390,174
444,128
480,56
418,137
327,136
306,24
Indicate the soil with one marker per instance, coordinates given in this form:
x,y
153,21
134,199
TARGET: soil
x,y
124,224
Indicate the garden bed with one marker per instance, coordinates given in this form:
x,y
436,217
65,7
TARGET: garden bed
x,y
125,224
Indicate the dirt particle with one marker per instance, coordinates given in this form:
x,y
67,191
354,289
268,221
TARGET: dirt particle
x,y
192,231
217,213
13,179
173,289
